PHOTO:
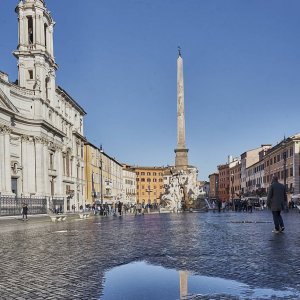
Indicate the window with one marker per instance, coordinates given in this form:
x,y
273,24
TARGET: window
x,y
64,165
143,180
137,173
291,152
30,30
291,171
154,173
143,173
154,179
46,87
45,34
51,161
148,173
30,72
148,180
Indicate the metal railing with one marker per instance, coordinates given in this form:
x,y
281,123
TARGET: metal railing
x,y
12,206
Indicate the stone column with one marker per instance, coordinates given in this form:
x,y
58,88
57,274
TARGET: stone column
x,y
7,160
22,74
40,165
31,166
50,40
46,168
21,31
59,170
2,162
24,161
25,31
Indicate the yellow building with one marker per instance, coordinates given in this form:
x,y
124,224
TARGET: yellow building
x,y
149,184
104,179
93,170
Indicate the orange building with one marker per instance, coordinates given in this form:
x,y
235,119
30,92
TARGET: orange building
x,y
235,179
223,186
149,184
213,182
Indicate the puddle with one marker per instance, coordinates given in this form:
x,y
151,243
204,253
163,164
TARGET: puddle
x,y
140,280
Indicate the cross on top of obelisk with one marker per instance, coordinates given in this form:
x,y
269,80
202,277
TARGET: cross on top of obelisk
x,y
179,51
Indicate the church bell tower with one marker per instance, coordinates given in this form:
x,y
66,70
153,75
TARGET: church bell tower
x,y
35,54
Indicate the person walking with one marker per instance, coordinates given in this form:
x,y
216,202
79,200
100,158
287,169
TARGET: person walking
x,y
120,206
24,211
276,201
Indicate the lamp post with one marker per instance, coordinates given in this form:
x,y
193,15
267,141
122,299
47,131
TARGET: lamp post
x,y
149,191
217,192
284,161
101,180
284,166
232,191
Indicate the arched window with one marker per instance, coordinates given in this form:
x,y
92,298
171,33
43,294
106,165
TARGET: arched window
x,y
30,30
45,34
46,86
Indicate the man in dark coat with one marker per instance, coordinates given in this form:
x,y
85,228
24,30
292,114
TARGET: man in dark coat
x,y
276,201
24,211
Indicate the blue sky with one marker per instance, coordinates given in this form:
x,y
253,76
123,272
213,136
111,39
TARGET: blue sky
x,y
117,58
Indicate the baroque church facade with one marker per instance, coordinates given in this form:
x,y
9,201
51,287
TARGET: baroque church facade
x,y
41,125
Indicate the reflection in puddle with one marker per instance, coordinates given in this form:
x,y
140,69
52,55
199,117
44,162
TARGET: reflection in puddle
x,y
140,280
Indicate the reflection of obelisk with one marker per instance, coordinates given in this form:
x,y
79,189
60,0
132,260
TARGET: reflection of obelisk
x,y
181,160
183,275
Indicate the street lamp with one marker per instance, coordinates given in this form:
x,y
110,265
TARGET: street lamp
x,y
284,167
149,191
101,180
284,161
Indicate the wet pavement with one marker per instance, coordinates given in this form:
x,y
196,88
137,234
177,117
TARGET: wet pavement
x,y
72,259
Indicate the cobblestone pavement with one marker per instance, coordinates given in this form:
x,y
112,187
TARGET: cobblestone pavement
x,y
68,260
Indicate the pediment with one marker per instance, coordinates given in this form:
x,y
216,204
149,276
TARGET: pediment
x,y
6,103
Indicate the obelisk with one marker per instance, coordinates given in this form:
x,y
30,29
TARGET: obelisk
x,y
181,159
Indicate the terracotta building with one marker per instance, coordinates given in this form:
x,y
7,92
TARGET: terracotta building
x,y
213,185
235,179
224,182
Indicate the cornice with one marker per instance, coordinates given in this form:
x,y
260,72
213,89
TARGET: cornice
x,y
41,123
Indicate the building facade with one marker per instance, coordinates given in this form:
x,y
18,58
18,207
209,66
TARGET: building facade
x,y
224,182
213,185
149,184
282,160
41,125
129,185
235,179
249,158
104,176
